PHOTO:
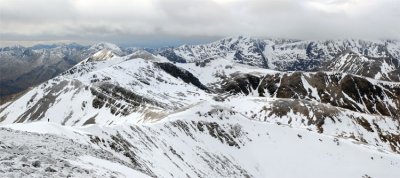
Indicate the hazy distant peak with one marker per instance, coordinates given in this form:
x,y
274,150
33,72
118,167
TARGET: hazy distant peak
x,y
108,46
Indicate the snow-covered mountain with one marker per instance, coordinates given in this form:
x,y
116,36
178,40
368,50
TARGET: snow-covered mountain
x,y
214,110
298,55
25,67
104,90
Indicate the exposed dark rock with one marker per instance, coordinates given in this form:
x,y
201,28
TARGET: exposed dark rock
x,y
91,120
240,83
204,62
346,91
319,112
36,164
183,74
291,87
50,169
391,138
364,123
216,131
271,83
170,55
107,94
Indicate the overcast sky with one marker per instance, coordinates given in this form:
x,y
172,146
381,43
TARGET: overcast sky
x,y
172,22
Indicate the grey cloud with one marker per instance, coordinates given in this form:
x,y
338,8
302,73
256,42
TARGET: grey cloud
x,y
35,11
194,12
136,20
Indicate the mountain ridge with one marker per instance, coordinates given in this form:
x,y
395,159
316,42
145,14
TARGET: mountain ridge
x,y
224,116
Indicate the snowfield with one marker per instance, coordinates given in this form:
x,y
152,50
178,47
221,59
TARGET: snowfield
x,y
177,148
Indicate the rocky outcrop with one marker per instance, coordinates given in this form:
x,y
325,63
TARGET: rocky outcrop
x,y
341,90
183,74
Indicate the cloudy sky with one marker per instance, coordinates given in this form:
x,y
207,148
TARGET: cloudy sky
x,y
172,22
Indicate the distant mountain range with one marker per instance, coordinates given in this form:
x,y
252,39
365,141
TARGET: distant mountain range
x,y
23,67
375,59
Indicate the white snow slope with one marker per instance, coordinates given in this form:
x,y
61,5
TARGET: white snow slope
x,y
192,143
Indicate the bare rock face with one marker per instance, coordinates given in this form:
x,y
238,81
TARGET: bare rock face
x,y
182,74
340,90
108,95
240,83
